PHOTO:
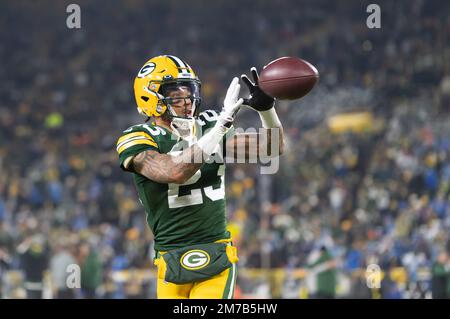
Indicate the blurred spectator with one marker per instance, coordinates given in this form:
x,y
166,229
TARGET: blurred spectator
x,y
440,275
59,263
91,270
34,260
323,268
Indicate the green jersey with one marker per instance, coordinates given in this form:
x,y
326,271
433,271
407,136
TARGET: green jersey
x,y
178,215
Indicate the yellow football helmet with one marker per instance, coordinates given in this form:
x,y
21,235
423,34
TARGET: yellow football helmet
x,y
156,77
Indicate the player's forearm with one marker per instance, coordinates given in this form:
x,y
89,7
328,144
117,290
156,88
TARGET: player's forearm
x,y
271,122
273,135
187,163
165,168
248,147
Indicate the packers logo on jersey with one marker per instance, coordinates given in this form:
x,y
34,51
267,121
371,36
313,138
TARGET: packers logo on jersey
x,y
194,259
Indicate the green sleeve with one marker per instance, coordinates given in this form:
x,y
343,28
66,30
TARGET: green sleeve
x,y
133,141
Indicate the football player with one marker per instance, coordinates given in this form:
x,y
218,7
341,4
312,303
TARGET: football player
x,y
183,192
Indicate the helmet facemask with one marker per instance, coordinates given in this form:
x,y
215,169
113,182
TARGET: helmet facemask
x,y
182,99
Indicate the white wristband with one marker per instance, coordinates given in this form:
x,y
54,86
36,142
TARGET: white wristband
x,y
269,118
208,142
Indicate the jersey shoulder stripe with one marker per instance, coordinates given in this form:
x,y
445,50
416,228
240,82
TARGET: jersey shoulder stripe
x,y
132,135
135,142
136,138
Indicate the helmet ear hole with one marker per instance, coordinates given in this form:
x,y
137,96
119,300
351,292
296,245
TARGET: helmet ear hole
x,y
145,98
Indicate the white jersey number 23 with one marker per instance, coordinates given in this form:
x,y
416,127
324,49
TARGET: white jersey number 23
x,y
196,196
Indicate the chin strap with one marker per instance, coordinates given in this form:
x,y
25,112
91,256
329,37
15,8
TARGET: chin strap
x,y
184,128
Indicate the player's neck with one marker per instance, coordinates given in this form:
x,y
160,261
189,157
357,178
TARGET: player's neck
x,y
166,124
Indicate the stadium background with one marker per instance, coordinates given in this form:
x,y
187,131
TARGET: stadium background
x,y
366,172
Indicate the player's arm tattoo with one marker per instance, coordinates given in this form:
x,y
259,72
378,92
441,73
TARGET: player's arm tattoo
x,y
165,168
253,145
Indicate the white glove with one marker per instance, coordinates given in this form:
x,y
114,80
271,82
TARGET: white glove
x,y
231,104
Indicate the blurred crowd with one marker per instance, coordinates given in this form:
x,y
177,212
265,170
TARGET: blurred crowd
x,y
377,197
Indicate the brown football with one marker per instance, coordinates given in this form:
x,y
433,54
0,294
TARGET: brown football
x,y
288,78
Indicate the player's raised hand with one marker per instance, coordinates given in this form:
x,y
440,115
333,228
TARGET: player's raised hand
x,y
232,102
258,100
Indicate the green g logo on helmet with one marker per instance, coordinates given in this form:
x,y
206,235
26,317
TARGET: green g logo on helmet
x,y
194,259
